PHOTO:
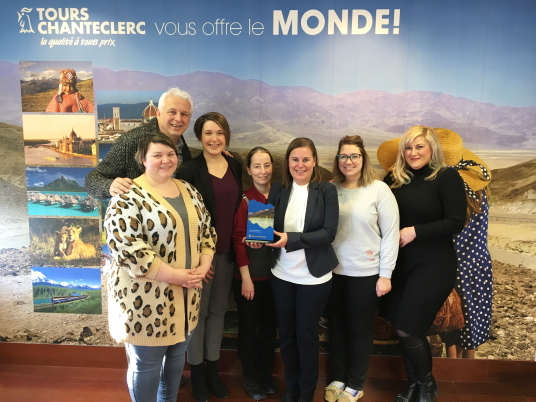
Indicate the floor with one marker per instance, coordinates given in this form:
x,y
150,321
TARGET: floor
x,y
38,383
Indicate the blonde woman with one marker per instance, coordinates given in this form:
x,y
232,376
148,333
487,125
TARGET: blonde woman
x,y
431,201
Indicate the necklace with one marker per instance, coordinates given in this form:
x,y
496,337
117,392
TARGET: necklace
x,y
212,166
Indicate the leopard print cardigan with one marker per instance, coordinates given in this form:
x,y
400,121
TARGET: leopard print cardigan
x,y
142,230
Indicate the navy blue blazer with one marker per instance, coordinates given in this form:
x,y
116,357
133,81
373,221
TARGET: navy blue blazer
x,y
319,229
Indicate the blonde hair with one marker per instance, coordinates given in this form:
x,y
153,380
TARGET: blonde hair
x,y
401,171
368,174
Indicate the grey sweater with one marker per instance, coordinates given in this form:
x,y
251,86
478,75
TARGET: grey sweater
x,y
368,234
119,161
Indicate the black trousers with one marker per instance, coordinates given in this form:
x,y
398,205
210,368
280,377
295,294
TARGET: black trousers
x,y
350,311
298,309
256,329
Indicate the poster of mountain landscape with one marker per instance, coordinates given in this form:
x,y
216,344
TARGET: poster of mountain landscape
x,y
66,290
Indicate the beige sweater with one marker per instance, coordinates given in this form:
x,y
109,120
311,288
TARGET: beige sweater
x,y
142,230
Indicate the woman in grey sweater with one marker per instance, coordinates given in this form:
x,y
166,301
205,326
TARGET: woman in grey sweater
x,y
366,246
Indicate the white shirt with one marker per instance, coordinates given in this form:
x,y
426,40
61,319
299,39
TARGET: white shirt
x,y
292,267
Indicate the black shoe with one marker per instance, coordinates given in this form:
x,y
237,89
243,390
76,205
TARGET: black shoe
x,y
427,392
306,398
410,395
199,385
268,384
254,390
290,396
215,385
183,380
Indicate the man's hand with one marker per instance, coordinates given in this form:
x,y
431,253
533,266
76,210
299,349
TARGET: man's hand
x,y
120,185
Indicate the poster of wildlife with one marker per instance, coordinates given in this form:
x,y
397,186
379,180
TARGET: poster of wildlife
x,y
65,242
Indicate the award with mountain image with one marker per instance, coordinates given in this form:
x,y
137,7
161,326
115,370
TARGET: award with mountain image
x,y
260,226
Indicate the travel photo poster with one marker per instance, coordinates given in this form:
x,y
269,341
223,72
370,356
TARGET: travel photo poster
x,y
276,70
66,290
59,191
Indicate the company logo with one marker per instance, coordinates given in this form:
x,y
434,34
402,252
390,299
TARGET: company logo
x,y
24,20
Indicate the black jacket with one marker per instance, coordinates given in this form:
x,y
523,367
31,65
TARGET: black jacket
x,y
195,172
320,226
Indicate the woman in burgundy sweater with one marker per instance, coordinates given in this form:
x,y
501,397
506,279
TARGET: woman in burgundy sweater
x,y
252,288
218,178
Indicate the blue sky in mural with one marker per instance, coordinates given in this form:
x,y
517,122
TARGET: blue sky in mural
x,y
74,276
34,70
479,49
110,96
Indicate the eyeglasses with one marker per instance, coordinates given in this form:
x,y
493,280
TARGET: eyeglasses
x,y
353,157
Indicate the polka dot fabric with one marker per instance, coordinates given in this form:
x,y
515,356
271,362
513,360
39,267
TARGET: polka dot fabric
x,y
475,278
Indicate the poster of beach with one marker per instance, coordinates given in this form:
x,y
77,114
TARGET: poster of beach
x,y
59,191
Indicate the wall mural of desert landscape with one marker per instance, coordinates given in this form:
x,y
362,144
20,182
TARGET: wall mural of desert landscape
x,y
322,87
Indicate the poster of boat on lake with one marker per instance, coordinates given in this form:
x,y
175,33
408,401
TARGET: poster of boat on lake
x,y
59,139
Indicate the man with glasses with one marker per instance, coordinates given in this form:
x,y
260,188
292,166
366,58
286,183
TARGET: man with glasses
x,y
114,174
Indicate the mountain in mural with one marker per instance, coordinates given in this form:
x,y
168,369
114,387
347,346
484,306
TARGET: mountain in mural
x,y
513,189
60,184
302,109
38,278
276,114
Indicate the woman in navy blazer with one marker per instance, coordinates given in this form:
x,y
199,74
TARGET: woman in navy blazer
x,y
306,219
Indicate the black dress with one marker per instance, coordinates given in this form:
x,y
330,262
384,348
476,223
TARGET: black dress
x,y
425,271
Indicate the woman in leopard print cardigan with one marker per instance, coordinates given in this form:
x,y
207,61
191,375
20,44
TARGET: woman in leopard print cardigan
x,y
162,242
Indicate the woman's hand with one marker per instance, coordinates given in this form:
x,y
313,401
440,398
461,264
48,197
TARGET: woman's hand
x,y
205,267
248,289
252,244
407,235
282,242
383,286
188,278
